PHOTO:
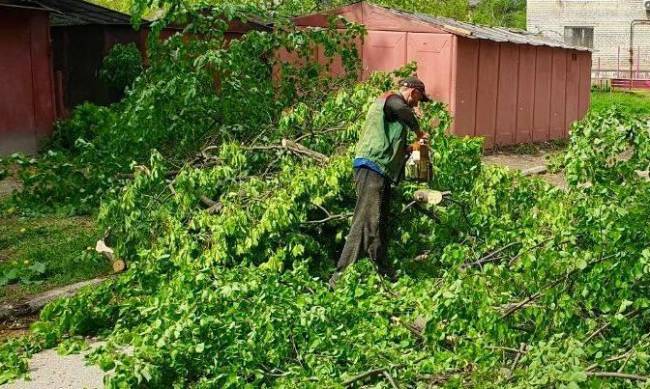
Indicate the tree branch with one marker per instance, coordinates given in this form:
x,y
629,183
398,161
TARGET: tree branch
x,y
303,136
491,257
361,376
211,205
523,347
606,325
299,149
518,306
612,374
538,245
382,370
295,148
330,218
391,380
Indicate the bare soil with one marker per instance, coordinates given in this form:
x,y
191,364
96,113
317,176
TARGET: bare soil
x,y
516,160
8,185
16,327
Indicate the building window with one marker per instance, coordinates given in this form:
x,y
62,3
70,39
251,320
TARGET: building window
x,y
579,36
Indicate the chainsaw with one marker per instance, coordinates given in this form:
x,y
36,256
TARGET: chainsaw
x,y
418,165
420,169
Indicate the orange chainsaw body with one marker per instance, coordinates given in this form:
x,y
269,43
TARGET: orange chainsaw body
x,y
419,163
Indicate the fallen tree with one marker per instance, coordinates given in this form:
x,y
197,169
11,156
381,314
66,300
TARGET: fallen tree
x,y
13,311
513,283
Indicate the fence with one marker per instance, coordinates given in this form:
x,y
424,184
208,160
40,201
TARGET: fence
x,y
629,72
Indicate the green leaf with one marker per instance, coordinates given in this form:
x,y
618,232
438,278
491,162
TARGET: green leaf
x,y
38,267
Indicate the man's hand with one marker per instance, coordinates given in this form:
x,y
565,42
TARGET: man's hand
x,y
423,137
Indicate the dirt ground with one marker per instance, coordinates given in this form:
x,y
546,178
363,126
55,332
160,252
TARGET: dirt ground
x,y
7,186
518,161
16,327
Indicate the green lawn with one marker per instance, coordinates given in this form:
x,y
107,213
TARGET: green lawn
x,y
39,253
637,102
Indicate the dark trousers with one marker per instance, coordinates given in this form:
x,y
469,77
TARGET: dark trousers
x,y
368,234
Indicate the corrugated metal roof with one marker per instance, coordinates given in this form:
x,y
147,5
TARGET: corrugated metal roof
x,y
78,12
473,31
22,4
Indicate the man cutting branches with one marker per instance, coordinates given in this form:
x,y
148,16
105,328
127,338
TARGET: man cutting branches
x,y
381,154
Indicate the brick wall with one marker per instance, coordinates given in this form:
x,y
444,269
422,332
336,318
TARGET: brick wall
x,y
611,21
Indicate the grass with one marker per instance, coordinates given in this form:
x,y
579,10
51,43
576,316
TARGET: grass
x,y
40,253
636,102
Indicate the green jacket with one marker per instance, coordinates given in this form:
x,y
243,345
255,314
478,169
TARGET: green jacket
x,y
383,142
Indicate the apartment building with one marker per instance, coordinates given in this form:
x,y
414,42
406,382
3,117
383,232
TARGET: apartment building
x,y
618,31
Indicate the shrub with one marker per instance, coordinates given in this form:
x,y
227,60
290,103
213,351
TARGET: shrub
x,y
121,66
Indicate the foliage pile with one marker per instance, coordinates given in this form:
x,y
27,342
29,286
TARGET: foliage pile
x,y
194,92
513,284
509,283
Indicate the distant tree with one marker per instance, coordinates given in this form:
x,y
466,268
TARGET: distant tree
x,y
507,13
456,9
117,5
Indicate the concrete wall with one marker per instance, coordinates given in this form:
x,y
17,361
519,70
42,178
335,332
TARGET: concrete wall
x,y
611,22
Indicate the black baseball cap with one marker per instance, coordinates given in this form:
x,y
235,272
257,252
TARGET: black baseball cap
x,y
415,83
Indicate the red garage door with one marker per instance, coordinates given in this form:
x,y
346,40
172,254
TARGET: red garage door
x,y
383,51
26,98
432,52
16,93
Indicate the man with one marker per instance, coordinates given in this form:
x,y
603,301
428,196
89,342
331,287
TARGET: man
x,y
381,154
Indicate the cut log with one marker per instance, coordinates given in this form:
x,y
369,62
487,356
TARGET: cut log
x,y
429,197
534,170
299,149
103,249
457,30
36,303
119,265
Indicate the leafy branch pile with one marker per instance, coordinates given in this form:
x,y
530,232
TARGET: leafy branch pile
x,y
509,283
201,87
